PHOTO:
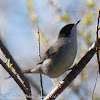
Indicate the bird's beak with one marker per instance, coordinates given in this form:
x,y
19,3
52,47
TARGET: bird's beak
x,y
77,22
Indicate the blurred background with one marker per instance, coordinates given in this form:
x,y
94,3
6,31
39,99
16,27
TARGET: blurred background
x,y
19,24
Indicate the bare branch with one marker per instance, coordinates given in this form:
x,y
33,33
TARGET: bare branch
x,y
16,67
98,59
16,79
97,48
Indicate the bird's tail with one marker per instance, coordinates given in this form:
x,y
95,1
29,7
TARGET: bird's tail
x,y
36,69
28,70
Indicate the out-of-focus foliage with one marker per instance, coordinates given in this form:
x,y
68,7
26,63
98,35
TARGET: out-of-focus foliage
x,y
65,17
30,6
34,20
84,75
88,18
87,37
30,10
90,3
96,98
80,31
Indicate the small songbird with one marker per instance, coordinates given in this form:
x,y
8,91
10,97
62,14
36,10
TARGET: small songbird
x,y
60,56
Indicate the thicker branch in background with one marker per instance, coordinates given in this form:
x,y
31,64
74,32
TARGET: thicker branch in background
x,y
27,94
73,74
41,83
97,48
16,67
98,59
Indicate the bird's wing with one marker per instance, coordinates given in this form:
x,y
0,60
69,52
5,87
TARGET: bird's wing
x,y
49,53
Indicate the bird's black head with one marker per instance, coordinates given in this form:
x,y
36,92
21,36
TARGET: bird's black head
x,y
66,30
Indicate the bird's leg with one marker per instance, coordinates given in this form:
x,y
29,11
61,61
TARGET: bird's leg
x,y
56,84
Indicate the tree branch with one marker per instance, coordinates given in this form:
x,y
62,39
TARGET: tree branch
x,y
16,79
97,35
16,67
97,50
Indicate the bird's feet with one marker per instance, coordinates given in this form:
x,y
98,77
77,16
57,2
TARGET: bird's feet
x,y
56,84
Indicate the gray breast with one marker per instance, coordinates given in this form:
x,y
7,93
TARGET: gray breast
x,y
63,59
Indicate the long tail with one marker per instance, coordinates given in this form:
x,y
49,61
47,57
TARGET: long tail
x,y
28,70
36,69
25,71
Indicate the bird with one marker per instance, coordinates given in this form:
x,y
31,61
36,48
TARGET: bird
x,y
60,56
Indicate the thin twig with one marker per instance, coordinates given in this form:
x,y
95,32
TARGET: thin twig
x,y
95,84
41,83
73,74
16,67
35,86
16,79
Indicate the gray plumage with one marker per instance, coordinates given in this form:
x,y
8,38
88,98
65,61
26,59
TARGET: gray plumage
x,y
60,56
